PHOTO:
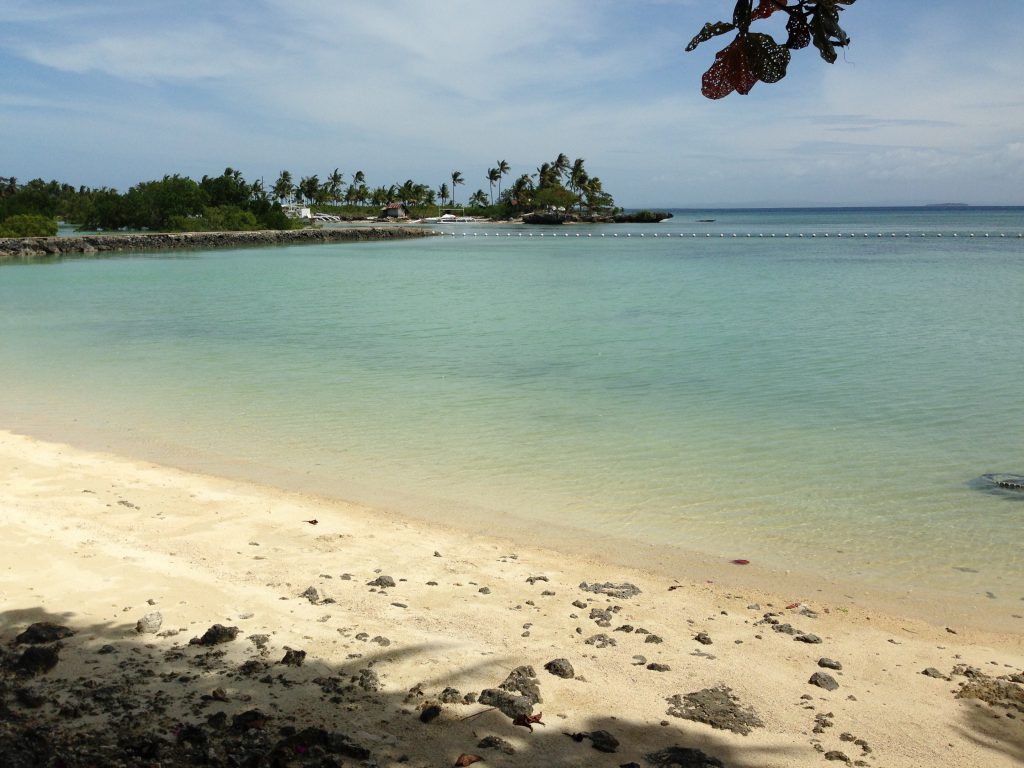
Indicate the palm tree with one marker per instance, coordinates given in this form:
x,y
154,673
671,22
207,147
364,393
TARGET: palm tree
x,y
546,176
578,178
456,180
561,165
357,189
284,188
503,169
333,186
442,192
493,175
479,199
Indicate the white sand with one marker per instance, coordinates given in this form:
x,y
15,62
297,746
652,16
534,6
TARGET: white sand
x,y
86,539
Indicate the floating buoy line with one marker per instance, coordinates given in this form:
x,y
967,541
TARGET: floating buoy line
x,y
794,235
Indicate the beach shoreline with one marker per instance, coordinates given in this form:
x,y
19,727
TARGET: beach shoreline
x,y
457,610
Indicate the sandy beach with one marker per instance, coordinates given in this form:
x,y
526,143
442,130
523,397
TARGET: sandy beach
x,y
348,636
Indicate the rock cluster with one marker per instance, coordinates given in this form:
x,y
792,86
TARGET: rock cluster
x,y
35,247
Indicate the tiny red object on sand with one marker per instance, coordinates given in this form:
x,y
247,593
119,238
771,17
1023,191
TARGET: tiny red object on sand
x,y
740,562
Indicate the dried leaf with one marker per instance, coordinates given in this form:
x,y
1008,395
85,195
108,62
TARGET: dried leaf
x,y
742,63
770,59
709,31
528,721
467,759
799,33
766,8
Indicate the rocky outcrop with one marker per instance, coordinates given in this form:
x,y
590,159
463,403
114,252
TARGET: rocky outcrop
x,y
34,247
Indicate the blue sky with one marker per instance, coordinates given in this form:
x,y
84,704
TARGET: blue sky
x,y
926,106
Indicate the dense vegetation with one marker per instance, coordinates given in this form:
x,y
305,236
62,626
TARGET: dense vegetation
x,y
229,202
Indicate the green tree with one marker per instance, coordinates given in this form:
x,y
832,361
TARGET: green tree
x,y
456,180
478,199
28,225
577,177
442,192
152,204
333,186
755,56
284,187
227,189
493,175
503,169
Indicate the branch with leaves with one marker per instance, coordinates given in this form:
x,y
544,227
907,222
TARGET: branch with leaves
x,y
755,56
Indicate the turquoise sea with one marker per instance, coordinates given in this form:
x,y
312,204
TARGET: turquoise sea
x,y
813,390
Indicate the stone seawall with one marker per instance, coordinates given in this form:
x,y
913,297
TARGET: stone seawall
x,y
36,247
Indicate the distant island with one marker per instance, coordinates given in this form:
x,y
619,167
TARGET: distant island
x,y
229,202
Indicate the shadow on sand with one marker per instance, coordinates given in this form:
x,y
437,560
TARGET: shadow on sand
x,y
113,697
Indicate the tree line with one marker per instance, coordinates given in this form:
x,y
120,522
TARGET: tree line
x,y
230,202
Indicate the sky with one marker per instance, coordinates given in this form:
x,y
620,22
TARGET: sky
x,y
925,106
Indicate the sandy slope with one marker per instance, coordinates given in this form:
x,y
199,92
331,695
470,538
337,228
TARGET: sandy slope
x,y
87,539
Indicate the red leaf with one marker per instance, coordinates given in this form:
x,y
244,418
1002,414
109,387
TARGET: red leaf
x,y
732,71
740,562
766,8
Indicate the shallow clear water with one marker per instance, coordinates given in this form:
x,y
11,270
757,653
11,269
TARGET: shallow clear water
x,y
817,403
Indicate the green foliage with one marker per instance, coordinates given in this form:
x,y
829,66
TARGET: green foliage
x,y
554,196
224,218
28,225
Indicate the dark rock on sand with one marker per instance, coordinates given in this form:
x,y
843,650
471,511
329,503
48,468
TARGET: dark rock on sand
x,y
38,659
808,638
293,657
385,582
682,757
430,713
603,741
933,672
523,680
823,680
43,632
509,703
622,591
451,696
716,707
560,668
496,742
826,663
216,635
600,641
702,637
835,754
311,594
656,667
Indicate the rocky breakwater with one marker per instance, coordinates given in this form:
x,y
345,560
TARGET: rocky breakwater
x,y
13,248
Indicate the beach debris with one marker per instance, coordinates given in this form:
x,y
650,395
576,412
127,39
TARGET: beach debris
x,y
451,696
467,759
600,640
385,582
823,680
740,561
933,672
150,623
701,637
682,757
717,707
535,579
835,754
43,632
528,721
656,667
622,591
827,663
216,635
314,521
560,668
311,594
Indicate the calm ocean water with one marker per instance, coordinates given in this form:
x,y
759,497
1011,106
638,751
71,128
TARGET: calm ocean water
x,y
744,387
